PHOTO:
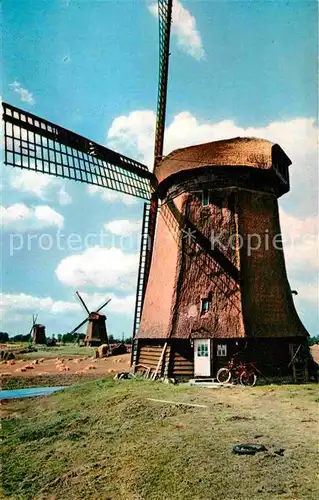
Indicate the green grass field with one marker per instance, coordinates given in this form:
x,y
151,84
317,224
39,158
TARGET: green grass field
x,y
63,350
105,440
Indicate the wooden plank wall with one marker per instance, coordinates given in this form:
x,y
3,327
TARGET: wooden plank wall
x,y
178,360
182,361
149,355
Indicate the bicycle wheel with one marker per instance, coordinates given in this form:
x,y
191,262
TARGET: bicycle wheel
x,y
223,375
248,379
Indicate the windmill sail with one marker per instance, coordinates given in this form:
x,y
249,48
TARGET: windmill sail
x,y
79,326
82,302
41,146
150,211
165,19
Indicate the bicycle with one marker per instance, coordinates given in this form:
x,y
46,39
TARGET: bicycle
x,y
244,372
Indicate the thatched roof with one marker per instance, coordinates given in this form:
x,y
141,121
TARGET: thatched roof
x,y
239,151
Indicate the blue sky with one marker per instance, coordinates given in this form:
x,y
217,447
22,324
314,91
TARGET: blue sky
x,y
237,68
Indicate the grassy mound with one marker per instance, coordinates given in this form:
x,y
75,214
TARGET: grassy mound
x,y
105,440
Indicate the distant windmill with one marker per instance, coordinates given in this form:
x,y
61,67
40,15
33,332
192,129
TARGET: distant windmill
x,y
37,331
96,333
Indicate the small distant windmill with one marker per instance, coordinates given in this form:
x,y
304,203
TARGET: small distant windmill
x,y
96,333
37,331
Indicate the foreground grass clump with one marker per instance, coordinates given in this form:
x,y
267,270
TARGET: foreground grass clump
x,y
105,440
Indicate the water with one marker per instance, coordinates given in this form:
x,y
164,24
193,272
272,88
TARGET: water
x,y
30,392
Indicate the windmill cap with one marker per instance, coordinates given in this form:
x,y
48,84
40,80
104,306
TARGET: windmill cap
x,y
238,151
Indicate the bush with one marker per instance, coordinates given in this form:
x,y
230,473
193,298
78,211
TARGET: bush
x,y
313,340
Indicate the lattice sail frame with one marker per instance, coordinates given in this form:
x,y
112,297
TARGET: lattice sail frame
x,y
41,146
165,20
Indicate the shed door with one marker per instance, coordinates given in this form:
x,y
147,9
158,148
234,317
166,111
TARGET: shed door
x,y
202,361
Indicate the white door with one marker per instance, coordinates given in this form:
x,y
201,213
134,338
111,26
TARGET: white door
x,y
202,361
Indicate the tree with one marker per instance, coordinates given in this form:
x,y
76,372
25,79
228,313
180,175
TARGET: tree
x,y
4,337
313,340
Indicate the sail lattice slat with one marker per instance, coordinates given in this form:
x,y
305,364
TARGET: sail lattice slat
x,y
38,145
165,19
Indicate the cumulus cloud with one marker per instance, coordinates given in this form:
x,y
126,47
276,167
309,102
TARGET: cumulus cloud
x,y
118,305
134,135
184,27
20,217
64,197
23,305
307,293
300,239
31,182
42,186
25,94
100,267
112,196
123,227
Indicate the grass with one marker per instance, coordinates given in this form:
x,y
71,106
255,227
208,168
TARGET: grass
x,y
104,440
50,380
63,350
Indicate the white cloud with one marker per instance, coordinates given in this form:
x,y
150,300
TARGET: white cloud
x,y
112,196
23,303
47,215
118,305
64,197
22,306
25,95
20,217
34,183
307,292
184,27
301,242
43,186
134,135
123,227
100,267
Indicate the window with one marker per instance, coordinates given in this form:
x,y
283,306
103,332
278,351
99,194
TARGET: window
x,y
202,350
205,306
221,350
205,199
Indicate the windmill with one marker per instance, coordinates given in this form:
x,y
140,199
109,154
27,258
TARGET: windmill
x,y
37,331
96,333
196,298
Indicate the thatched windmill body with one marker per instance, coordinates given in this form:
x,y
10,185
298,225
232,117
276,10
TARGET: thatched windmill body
x,y
196,301
38,331
96,332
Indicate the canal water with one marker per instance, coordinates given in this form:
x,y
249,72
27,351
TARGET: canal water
x,y
29,392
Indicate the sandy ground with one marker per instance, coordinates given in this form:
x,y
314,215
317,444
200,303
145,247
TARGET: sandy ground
x,y
74,365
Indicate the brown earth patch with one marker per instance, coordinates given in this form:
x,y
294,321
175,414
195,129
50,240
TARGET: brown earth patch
x,y
75,365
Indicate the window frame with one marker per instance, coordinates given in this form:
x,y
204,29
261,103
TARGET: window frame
x,y
205,198
221,349
205,302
